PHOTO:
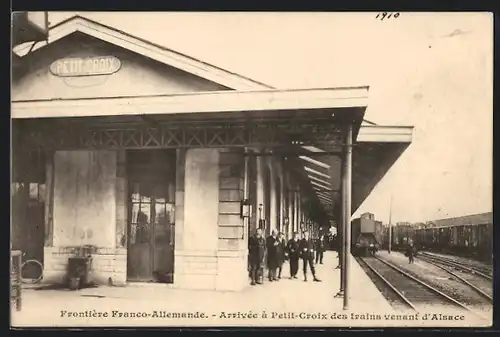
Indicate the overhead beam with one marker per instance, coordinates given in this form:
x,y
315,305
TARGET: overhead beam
x,y
313,149
324,196
320,191
315,162
319,185
310,170
319,180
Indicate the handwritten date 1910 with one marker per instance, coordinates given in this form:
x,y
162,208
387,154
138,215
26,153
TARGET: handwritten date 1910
x,y
386,15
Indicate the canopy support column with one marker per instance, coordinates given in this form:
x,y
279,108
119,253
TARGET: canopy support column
x,y
346,216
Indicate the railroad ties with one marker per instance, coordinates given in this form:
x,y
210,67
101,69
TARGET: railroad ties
x,y
432,283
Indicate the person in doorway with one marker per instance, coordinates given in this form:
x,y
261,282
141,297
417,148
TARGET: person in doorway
x,y
142,234
281,252
294,255
257,253
272,255
306,248
320,248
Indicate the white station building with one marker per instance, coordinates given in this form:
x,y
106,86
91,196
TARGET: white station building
x,y
165,164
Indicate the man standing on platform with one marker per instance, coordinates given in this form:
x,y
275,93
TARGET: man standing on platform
x,y
294,254
320,248
272,255
256,252
306,247
339,249
281,252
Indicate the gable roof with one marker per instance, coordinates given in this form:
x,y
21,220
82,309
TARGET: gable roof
x,y
140,46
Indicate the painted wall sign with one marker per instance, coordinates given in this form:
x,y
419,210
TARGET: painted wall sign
x,y
85,66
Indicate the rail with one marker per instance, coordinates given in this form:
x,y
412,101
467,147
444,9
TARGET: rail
x,y
453,263
474,287
413,293
403,299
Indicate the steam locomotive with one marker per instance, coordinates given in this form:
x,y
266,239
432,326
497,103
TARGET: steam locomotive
x,y
366,235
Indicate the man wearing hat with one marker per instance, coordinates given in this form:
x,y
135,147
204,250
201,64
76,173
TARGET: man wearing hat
x,y
281,252
293,253
256,252
306,247
272,245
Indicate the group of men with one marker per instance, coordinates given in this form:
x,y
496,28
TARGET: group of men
x,y
274,251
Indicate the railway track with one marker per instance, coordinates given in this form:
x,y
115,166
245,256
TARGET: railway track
x,y
449,270
413,293
484,272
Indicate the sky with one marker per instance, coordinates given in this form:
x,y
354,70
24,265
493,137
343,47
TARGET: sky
x,y
433,71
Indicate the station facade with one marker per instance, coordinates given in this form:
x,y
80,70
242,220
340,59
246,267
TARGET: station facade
x,y
165,165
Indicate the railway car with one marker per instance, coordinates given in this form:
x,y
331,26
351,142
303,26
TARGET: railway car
x,y
401,235
366,235
472,240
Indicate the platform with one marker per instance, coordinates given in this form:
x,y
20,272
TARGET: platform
x,y
284,303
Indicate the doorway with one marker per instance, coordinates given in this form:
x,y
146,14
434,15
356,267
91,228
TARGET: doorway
x,y
28,208
151,215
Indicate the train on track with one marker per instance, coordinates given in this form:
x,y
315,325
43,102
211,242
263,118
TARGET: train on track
x,y
468,236
366,235
471,240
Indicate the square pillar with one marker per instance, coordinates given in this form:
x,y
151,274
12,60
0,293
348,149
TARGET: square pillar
x,y
260,190
290,210
297,211
232,256
83,210
273,202
197,213
282,203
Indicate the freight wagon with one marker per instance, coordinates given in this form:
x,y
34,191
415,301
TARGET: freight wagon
x,y
473,240
402,235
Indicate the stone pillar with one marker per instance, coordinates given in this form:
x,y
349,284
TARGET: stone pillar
x,y
121,199
84,196
273,217
260,206
291,223
252,175
282,203
296,211
232,272
49,200
196,236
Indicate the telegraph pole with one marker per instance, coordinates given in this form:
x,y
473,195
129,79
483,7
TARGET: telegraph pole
x,y
390,226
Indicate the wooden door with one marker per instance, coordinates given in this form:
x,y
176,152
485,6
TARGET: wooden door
x,y
151,218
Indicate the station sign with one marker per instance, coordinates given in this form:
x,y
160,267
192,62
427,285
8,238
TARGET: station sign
x,y
85,66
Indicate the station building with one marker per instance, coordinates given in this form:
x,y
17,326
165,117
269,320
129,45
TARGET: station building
x,y
165,164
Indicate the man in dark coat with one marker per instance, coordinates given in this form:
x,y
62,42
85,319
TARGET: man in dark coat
x,y
256,253
410,251
294,254
281,252
339,249
320,248
306,247
272,255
